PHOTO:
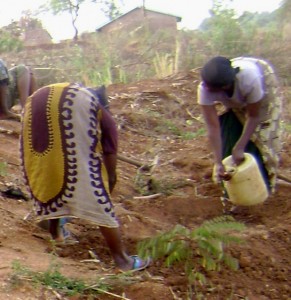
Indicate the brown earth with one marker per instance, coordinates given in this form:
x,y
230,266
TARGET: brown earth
x,y
151,115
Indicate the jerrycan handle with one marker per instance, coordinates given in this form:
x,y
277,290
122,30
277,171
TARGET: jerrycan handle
x,y
231,167
231,170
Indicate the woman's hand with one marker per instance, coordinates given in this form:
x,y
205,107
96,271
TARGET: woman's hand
x,y
221,173
237,156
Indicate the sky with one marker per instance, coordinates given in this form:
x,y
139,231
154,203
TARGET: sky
x,y
192,12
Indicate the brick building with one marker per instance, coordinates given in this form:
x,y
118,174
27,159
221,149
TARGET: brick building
x,y
141,17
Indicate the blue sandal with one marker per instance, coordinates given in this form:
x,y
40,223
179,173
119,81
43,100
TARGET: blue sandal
x,y
139,264
68,237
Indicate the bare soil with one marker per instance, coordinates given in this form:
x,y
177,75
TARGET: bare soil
x,y
151,115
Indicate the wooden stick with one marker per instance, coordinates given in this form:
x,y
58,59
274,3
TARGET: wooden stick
x,y
139,164
283,183
130,160
148,197
283,177
108,293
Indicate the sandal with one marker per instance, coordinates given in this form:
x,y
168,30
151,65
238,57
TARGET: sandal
x,y
68,238
139,264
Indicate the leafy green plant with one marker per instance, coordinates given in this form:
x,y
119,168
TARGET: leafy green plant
x,y
146,184
286,127
203,248
164,65
192,135
9,43
3,166
167,126
52,279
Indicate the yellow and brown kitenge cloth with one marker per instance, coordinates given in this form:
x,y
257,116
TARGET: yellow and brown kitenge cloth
x,y
267,136
252,80
64,133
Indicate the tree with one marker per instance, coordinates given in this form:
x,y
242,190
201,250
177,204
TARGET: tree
x,y
10,38
28,21
110,9
223,30
12,35
285,10
70,6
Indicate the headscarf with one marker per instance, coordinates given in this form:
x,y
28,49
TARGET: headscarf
x,y
218,72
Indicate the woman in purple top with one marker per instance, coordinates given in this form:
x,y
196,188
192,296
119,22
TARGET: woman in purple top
x,y
248,93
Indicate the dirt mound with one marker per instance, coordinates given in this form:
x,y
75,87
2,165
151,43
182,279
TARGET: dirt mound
x,y
159,123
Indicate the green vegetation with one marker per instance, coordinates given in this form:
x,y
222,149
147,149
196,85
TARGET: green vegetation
x,y
164,65
52,279
9,42
200,250
146,184
3,166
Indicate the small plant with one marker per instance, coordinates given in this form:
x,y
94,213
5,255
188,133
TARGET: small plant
x,y
192,135
169,127
147,184
62,286
3,166
51,278
198,249
164,65
286,127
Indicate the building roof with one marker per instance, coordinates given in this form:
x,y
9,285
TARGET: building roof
x,y
178,19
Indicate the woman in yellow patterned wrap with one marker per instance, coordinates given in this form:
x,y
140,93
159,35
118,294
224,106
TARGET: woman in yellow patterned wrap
x,y
69,150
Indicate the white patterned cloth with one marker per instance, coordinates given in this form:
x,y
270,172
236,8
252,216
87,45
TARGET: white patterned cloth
x,y
65,131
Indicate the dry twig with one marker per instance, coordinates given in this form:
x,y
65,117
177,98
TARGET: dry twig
x,y
148,197
283,177
108,293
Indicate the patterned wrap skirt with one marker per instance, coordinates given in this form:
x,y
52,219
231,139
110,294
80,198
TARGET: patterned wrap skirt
x,y
267,136
61,155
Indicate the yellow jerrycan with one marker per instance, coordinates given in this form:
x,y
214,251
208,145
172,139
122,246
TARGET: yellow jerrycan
x,y
246,186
